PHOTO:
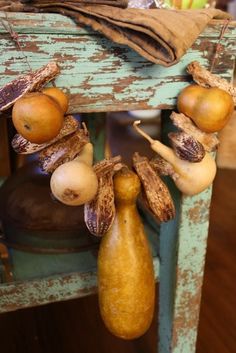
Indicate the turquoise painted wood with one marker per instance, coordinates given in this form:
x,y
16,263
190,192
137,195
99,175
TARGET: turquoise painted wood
x,y
43,278
30,292
183,244
182,260
102,76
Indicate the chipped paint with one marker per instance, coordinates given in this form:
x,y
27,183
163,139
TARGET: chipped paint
x,y
181,291
46,291
199,212
24,294
103,76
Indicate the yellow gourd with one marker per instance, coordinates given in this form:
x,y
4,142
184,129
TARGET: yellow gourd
x,y
190,178
126,285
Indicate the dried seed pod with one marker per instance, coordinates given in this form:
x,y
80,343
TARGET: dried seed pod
x,y
205,78
64,150
23,146
162,167
15,89
186,147
100,212
190,178
184,123
156,192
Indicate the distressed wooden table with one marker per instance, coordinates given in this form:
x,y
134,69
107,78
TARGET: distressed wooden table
x,y
102,76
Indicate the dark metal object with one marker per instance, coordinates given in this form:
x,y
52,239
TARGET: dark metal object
x,y
32,221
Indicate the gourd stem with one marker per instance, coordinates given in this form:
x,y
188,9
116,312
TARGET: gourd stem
x,y
85,128
141,132
164,151
86,155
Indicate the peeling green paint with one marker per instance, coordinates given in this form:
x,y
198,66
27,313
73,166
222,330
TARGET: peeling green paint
x,y
23,294
183,244
101,75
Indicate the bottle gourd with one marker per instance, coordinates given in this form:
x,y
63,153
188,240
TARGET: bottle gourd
x,y
126,284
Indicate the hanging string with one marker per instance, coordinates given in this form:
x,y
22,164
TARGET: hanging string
x,y
15,37
218,47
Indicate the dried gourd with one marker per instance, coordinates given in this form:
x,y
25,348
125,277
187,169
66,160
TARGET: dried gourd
x,y
126,285
100,212
190,178
74,183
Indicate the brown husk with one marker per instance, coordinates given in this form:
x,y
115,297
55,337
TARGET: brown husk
x,y
156,192
205,78
33,81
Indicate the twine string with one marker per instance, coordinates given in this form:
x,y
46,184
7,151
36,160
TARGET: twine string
x,y
15,37
218,47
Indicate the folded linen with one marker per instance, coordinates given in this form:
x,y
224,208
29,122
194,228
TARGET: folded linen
x,y
162,36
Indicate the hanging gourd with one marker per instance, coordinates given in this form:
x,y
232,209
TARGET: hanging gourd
x,y
75,182
209,108
126,284
190,178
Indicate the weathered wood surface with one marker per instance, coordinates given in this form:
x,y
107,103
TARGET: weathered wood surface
x,y
101,75
186,270
35,292
183,243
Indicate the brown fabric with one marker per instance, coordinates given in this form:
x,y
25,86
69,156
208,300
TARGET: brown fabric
x,y
118,3
160,35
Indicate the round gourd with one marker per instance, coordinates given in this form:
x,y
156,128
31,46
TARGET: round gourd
x,y
209,108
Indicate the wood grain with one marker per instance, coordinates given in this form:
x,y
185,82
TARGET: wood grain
x,y
99,74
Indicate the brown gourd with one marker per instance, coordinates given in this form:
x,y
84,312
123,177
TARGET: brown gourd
x,y
126,284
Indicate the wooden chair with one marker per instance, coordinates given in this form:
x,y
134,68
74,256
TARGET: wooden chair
x,y
103,77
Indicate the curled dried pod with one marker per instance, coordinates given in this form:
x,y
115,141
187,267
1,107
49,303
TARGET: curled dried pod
x,y
99,213
162,167
23,84
157,195
205,78
185,124
23,146
64,150
186,147
190,178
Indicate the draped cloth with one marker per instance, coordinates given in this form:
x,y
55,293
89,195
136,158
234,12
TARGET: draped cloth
x,y
162,36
